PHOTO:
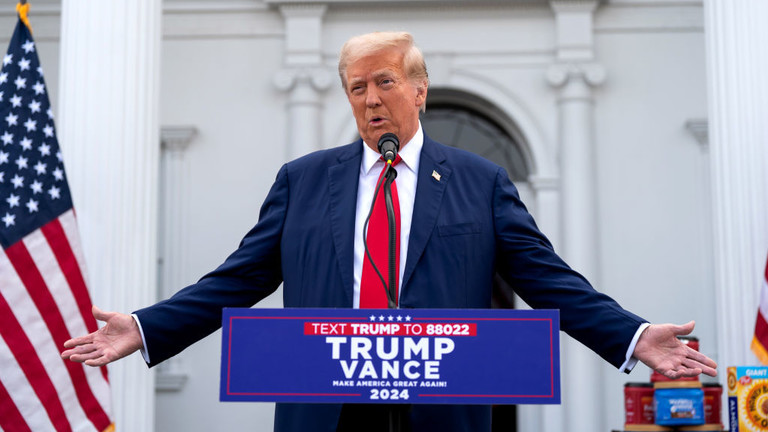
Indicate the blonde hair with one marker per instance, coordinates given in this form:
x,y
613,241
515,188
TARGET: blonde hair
x,y
364,45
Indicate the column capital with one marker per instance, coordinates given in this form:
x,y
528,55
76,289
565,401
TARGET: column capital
x,y
176,138
318,78
560,74
699,128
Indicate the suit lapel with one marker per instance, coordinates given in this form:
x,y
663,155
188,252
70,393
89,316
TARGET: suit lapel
x,y
343,180
432,180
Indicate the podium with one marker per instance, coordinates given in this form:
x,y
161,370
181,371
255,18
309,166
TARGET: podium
x,y
391,356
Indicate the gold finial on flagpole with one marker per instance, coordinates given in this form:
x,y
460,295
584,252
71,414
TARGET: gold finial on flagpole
x,y
23,8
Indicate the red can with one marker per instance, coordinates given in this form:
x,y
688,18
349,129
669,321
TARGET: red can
x,y
638,403
713,393
692,342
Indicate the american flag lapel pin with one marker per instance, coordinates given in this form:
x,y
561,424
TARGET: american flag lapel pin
x,y
435,175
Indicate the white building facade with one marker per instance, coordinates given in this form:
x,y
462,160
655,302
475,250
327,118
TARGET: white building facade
x,y
633,126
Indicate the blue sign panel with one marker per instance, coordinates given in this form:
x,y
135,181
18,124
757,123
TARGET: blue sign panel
x,y
430,356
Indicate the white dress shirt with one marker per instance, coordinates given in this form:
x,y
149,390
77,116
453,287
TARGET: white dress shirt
x,y
370,169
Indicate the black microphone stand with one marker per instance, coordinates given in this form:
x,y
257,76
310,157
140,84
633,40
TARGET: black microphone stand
x,y
395,411
390,176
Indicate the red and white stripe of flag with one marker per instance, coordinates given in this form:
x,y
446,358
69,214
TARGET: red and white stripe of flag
x,y
760,339
43,302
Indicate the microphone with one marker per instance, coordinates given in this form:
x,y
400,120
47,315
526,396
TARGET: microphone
x,y
388,146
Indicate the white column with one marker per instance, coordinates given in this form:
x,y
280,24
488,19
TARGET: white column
x,y
578,238
574,74
547,191
109,137
736,38
304,77
172,248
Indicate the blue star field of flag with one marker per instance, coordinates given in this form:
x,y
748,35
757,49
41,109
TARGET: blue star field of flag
x,y
33,186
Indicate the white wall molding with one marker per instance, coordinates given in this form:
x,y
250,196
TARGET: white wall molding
x,y
650,17
574,27
171,375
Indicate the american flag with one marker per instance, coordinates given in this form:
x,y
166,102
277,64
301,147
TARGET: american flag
x,y
760,338
43,294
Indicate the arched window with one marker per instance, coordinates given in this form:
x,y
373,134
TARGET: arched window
x,y
468,122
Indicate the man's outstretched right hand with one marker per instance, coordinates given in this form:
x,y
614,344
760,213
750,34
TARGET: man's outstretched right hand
x,y
117,339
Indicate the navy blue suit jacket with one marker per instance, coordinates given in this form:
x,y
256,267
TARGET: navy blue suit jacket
x,y
467,226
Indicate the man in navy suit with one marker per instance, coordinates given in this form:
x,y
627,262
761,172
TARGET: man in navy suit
x,y
461,223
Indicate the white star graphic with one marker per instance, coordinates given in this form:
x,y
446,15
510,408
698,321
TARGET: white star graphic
x,y
44,149
50,113
12,119
28,46
7,59
30,125
40,71
9,219
390,318
407,317
13,200
34,106
16,100
3,157
3,77
24,64
58,173
2,177
32,205
26,143
381,317
17,181
40,168
36,187
373,318
59,156
21,162
7,138
54,192
39,88
48,130
399,317
20,83
2,94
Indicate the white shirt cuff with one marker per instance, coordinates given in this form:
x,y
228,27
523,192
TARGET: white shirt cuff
x,y
630,361
143,349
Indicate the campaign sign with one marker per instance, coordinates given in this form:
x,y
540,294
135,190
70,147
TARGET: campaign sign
x,y
422,356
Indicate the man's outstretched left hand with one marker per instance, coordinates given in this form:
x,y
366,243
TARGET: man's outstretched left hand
x,y
660,349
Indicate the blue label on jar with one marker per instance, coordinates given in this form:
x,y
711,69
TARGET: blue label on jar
x,y
684,406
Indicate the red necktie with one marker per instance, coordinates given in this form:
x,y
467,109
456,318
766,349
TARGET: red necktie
x,y
372,292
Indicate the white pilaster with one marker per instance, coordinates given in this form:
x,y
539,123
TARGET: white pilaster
x,y
579,241
304,77
170,375
547,190
574,74
109,137
736,38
